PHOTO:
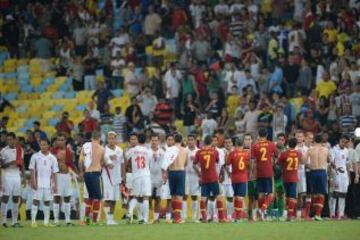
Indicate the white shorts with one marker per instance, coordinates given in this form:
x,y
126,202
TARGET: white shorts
x,y
64,188
11,186
43,194
192,187
226,190
341,182
111,192
301,184
141,186
165,191
156,185
129,183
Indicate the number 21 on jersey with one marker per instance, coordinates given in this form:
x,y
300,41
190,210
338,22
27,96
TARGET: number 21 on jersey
x,y
292,163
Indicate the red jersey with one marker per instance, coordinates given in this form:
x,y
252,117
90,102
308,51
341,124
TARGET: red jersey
x,y
289,160
207,158
263,151
239,161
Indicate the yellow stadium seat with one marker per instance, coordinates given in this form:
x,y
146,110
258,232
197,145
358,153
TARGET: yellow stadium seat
x,y
50,74
60,79
33,96
53,88
23,96
35,62
21,62
47,95
10,62
36,81
9,69
84,95
49,114
151,71
69,107
149,50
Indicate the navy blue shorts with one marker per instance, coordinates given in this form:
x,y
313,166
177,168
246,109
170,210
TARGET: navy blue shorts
x,y
93,184
264,185
308,182
318,181
177,183
290,189
239,189
210,189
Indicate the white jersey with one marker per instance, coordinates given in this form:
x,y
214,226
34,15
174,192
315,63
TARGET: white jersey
x,y
339,157
115,173
155,163
221,162
303,150
44,166
190,158
227,177
171,153
140,161
7,155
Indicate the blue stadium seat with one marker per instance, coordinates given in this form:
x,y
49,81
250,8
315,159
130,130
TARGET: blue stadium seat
x,y
21,109
118,92
48,81
80,108
10,96
23,129
26,88
40,89
29,123
69,94
22,69
53,121
64,88
58,95
57,108
10,75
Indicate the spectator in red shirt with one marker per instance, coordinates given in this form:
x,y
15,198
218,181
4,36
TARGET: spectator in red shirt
x,y
178,18
89,124
65,125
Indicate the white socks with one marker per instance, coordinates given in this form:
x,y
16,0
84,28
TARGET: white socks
x,y
34,210
46,215
168,216
156,215
230,209
67,211
194,208
212,209
3,212
56,212
15,213
82,211
108,216
332,206
145,209
341,207
132,206
184,210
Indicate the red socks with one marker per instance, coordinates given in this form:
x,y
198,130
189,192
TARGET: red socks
x,y
221,209
96,209
203,210
239,211
291,207
307,208
264,202
177,207
88,207
318,205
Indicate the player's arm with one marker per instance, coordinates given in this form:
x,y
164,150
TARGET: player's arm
x,y
357,171
54,172
195,165
81,164
123,169
32,167
106,159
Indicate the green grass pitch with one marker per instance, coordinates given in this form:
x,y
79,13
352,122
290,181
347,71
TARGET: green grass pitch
x,y
326,230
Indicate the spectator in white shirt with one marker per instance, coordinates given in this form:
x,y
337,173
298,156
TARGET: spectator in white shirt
x,y
172,82
119,41
117,65
94,113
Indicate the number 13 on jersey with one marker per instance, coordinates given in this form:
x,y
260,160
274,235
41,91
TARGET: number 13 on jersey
x,y
140,162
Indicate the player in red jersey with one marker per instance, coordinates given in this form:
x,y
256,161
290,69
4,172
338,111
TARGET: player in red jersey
x,y
263,152
239,160
290,160
207,157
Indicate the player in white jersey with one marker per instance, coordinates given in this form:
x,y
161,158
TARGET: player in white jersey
x,y
301,184
340,177
228,190
43,167
65,158
11,161
155,171
192,187
139,163
112,177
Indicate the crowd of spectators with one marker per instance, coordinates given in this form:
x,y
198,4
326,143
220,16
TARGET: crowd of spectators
x,y
241,64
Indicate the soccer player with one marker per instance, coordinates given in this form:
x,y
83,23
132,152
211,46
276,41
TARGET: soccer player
x,y
192,187
43,168
112,178
155,171
290,161
318,157
252,191
11,161
92,159
239,160
64,156
340,165
207,157
276,209
303,207
264,151
139,164
227,187
173,169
